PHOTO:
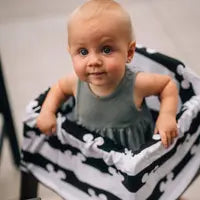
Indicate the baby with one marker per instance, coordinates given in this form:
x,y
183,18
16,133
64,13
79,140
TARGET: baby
x,y
110,98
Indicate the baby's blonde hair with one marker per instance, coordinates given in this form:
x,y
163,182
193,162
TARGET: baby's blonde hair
x,y
95,8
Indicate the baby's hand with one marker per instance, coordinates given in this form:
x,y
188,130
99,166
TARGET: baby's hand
x,y
46,122
167,128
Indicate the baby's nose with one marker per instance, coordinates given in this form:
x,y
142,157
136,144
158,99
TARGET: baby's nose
x,y
94,60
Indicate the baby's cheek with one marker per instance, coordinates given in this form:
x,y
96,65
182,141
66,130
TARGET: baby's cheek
x,y
78,66
116,62
116,67
80,72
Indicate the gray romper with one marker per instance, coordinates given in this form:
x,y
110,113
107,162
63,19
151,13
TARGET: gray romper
x,y
115,116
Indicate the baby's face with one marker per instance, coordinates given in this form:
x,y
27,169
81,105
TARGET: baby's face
x,y
99,50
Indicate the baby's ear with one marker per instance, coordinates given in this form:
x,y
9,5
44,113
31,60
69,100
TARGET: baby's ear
x,y
131,51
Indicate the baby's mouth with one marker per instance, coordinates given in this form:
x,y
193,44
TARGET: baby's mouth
x,y
97,73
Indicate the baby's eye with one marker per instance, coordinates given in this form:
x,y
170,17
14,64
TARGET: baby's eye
x,y
83,52
107,50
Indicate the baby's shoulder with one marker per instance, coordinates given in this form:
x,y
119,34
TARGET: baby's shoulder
x,y
68,83
72,77
73,81
145,78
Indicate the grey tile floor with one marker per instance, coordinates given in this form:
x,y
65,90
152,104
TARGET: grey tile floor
x,y
33,52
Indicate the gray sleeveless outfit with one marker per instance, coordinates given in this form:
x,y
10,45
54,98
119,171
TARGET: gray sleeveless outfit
x,y
115,116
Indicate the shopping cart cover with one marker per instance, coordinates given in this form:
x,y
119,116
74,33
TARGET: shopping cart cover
x,y
80,164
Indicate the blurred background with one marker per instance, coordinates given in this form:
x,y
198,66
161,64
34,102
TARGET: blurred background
x,y
33,51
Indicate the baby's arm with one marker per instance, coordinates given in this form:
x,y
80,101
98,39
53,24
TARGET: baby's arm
x,y
155,84
58,93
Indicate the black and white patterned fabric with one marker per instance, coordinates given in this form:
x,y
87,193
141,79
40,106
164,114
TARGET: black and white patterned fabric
x,y
80,164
